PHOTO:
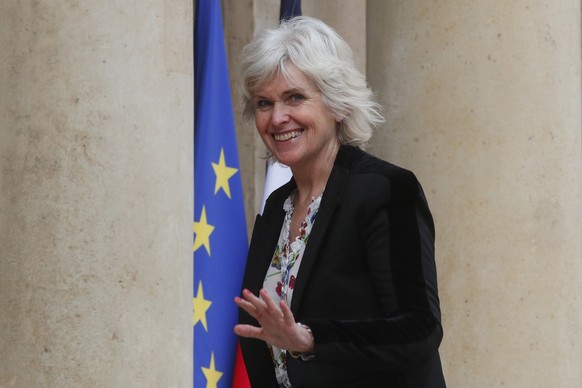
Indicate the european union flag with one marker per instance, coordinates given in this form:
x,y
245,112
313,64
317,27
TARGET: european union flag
x,y
220,237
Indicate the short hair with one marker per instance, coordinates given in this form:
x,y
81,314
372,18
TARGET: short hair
x,y
326,60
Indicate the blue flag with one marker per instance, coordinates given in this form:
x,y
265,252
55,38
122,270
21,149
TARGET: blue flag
x,y
220,237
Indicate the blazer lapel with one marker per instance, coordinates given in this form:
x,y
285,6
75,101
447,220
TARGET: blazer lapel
x,y
330,200
265,237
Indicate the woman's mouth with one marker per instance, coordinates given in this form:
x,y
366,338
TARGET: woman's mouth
x,y
287,135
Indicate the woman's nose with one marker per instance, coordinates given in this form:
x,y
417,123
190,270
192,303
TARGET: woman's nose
x,y
280,113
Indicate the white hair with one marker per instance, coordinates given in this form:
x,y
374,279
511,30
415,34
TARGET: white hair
x,y
326,60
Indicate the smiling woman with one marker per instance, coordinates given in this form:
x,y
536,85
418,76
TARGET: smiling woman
x,y
296,126
340,281
326,60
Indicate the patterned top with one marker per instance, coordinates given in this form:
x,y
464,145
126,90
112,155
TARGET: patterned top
x,y
280,279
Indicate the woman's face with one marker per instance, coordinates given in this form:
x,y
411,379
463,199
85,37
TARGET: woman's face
x,y
293,121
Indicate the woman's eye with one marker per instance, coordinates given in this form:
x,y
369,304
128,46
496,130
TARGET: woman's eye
x,y
296,98
262,104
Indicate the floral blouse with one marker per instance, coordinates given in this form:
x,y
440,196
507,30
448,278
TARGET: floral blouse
x,y
280,279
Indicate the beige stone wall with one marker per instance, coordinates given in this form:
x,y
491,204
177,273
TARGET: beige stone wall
x,y
96,193
483,102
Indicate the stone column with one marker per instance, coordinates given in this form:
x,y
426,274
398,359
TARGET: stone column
x,y
96,118
483,102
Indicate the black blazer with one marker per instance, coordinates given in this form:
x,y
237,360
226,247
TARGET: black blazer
x,y
367,284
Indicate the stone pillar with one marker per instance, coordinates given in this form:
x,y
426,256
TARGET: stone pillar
x,y
96,118
483,102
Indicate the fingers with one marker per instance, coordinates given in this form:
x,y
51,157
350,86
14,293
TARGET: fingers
x,y
270,304
287,314
276,322
248,331
258,307
251,304
245,305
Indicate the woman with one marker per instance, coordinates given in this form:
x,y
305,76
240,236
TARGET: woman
x,y
340,286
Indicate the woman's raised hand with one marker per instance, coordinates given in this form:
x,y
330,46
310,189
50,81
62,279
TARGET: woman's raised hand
x,y
277,324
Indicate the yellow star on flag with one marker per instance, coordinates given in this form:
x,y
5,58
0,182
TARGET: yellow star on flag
x,y
223,174
201,306
203,230
212,375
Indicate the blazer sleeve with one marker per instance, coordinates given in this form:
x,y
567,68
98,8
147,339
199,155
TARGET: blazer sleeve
x,y
395,235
